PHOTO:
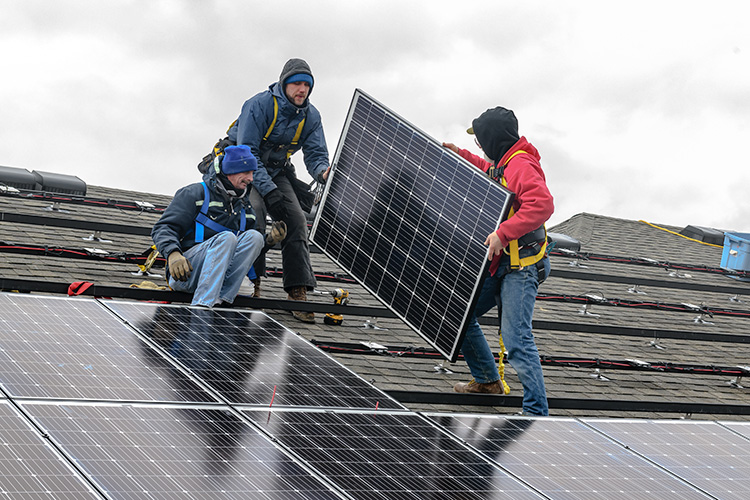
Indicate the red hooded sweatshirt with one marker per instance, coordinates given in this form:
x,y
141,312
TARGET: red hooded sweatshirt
x,y
533,204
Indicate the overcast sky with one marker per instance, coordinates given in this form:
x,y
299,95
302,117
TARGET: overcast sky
x,y
641,110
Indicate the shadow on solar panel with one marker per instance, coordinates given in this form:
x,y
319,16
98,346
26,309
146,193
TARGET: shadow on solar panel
x,y
408,219
248,358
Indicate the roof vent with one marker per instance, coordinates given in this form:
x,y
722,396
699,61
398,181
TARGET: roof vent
x,y
704,234
558,240
59,183
19,178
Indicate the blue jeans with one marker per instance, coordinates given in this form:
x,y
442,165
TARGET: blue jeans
x,y
219,265
514,293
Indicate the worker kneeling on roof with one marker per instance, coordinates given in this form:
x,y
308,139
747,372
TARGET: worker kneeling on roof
x,y
207,232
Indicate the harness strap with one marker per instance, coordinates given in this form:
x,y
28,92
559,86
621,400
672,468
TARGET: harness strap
x,y
202,220
295,140
297,133
514,249
275,115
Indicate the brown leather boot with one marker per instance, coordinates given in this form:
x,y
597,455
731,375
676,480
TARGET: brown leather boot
x,y
256,288
300,293
475,387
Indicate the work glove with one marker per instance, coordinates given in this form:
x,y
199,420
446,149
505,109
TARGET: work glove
x,y
276,204
179,266
277,234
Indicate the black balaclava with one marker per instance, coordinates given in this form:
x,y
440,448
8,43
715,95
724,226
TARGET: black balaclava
x,y
497,131
293,67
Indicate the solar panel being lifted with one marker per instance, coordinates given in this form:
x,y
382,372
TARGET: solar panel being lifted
x,y
408,219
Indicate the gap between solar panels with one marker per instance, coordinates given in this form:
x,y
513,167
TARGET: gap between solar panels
x,y
407,219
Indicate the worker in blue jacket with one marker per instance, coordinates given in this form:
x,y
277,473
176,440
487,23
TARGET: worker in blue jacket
x,y
275,124
207,232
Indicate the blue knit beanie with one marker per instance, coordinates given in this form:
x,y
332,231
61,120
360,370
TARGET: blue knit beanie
x,y
238,159
299,77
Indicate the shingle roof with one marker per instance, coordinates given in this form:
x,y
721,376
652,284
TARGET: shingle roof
x,y
582,350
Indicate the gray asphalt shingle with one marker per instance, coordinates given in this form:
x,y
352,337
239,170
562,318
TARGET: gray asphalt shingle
x,y
597,235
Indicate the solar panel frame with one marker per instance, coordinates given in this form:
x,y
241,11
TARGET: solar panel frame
x,y
75,349
31,467
564,458
383,454
705,454
174,451
407,218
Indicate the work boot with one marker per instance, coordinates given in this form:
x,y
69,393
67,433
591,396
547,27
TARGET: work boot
x,y
475,387
300,293
256,288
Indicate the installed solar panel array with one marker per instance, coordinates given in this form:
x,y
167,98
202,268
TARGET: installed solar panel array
x,y
408,218
128,400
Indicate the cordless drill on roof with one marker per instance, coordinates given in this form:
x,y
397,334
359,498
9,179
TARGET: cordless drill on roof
x,y
340,298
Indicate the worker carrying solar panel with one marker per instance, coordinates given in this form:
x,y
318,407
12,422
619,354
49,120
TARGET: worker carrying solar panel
x,y
519,261
275,124
207,232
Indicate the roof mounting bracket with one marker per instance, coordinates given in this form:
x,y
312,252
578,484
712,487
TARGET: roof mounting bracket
x,y
97,236
372,324
55,207
636,289
584,311
440,368
700,319
655,343
736,382
374,346
598,375
674,273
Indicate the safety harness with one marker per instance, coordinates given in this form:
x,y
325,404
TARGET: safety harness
x,y
202,220
530,248
221,144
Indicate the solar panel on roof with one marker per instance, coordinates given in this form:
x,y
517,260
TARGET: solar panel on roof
x,y
388,455
408,218
75,349
565,459
248,358
705,454
29,467
139,451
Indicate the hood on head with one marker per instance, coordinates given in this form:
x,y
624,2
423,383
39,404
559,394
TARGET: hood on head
x,y
295,67
496,130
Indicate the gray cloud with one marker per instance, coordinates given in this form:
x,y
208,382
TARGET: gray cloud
x,y
636,116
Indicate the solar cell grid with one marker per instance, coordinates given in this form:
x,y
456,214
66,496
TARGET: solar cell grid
x,y
29,467
139,451
707,455
408,218
564,459
75,349
388,455
248,358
